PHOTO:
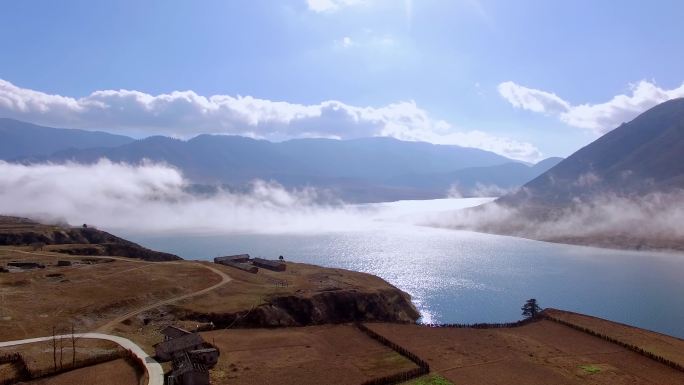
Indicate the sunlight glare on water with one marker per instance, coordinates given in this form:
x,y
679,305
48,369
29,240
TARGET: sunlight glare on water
x,y
460,276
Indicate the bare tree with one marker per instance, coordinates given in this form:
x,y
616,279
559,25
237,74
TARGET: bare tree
x,y
73,346
54,349
61,353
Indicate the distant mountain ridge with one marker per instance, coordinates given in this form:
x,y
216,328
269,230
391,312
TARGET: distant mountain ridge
x,y
356,170
643,156
20,139
624,190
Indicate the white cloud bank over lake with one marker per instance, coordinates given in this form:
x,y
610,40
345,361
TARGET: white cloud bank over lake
x,y
153,198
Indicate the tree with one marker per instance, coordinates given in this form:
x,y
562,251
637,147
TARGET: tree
x,y
54,349
281,258
73,347
530,309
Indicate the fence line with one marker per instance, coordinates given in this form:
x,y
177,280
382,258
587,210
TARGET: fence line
x,y
422,369
634,348
499,325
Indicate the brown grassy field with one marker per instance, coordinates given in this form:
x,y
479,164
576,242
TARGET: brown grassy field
x,y
244,292
86,295
117,372
671,348
248,290
540,353
90,295
39,355
329,354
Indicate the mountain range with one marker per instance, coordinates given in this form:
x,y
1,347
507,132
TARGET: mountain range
x,y
624,190
643,156
357,170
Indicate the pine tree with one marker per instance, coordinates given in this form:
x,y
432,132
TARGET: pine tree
x,y
530,309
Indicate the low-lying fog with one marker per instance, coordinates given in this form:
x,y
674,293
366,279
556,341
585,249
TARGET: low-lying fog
x,y
154,198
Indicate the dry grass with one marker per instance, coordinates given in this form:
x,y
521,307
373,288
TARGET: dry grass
x,y
39,356
86,295
248,290
117,372
338,354
540,353
668,347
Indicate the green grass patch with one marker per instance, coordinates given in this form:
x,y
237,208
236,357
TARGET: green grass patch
x,y
432,379
591,369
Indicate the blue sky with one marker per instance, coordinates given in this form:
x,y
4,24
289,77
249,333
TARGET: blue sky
x,y
527,79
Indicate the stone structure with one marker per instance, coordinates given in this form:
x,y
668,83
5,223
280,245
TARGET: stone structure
x,y
190,356
268,264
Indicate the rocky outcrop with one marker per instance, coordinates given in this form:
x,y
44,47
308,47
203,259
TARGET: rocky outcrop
x,y
16,231
338,306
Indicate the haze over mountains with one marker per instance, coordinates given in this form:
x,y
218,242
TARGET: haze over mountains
x,y
358,170
643,156
625,190
20,139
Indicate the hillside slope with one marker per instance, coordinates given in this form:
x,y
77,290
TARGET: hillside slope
x,y
21,139
15,231
643,156
624,190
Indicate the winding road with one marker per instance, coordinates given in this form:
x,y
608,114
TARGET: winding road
x,y
155,372
224,279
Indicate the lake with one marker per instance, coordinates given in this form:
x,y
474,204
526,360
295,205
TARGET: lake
x,y
466,277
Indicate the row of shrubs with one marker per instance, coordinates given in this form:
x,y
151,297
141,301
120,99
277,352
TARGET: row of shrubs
x,y
26,374
134,361
485,325
422,369
19,364
90,361
634,348
398,378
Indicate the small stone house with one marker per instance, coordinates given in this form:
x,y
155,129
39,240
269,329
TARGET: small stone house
x,y
167,350
268,264
241,258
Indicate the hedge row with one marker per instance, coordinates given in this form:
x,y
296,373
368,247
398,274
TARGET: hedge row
x,y
634,348
398,378
90,361
485,325
134,361
422,369
18,362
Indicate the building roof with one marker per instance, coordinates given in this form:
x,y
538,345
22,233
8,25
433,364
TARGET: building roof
x,y
174,332
207,350
268,262
232,257
184,342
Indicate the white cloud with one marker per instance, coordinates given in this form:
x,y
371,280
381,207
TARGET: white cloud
x,y
531,99
185,114
601,117
153,198
345,42
331,5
